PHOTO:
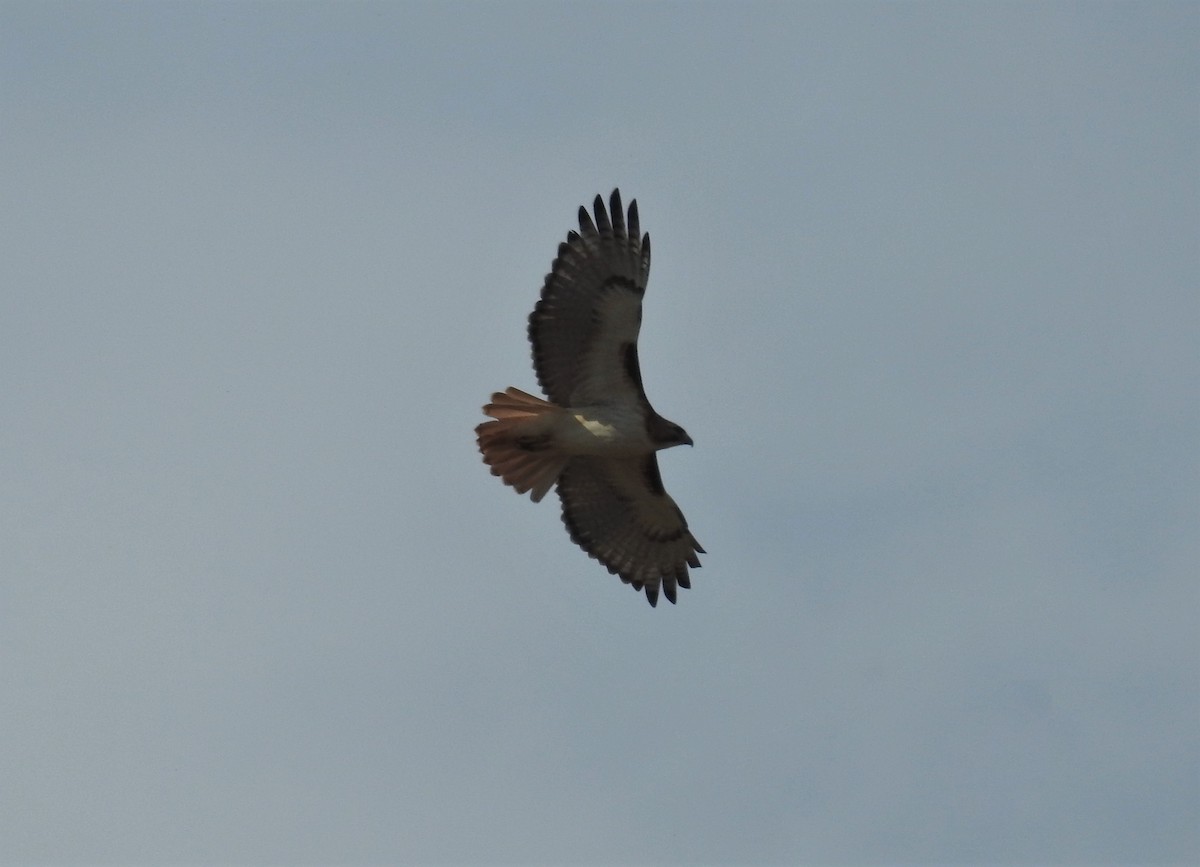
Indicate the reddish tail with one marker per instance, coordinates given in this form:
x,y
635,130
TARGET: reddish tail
x,y
518,444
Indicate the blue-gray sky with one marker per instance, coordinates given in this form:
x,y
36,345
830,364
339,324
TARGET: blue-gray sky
x,y
924,293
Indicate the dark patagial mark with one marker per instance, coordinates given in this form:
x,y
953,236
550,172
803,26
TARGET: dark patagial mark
x,y
652,476
629,358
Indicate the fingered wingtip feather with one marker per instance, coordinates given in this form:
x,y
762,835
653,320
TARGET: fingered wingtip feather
x,y
586,226
602,221
617,213
669,590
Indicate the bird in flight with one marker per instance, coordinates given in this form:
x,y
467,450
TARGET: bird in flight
x,y
596,436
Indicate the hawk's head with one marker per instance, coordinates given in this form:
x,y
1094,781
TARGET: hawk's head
x,y
665,434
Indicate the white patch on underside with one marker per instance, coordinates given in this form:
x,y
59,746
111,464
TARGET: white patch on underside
x,y
604,429
597,428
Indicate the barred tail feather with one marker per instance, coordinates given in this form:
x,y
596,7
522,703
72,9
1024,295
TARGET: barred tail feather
x,y
516,444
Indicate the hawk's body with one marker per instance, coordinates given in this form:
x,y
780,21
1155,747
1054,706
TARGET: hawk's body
x,y
597,436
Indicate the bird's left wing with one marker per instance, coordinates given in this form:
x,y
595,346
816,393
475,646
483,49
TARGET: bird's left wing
x,y
617,511
584,329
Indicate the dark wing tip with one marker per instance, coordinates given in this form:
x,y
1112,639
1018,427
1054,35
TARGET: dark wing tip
x,y
669,590
586,226
602,222
618,213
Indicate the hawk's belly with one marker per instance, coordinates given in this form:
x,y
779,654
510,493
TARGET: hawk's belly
x,y
603,430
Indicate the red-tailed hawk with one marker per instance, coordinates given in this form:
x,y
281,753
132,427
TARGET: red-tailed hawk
x,y
596,436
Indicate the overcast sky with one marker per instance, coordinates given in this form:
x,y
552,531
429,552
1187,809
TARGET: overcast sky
x,y
924,294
